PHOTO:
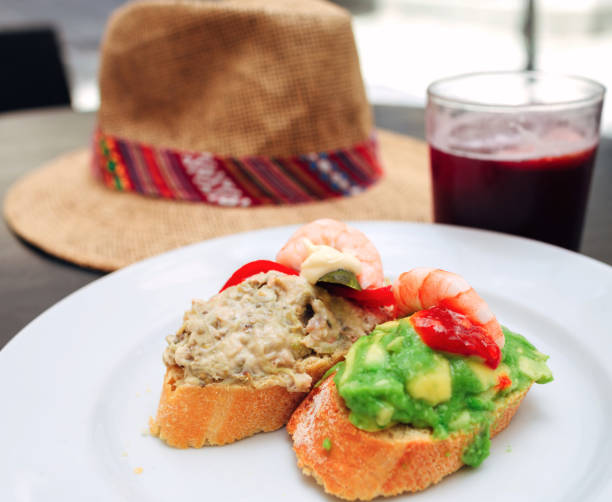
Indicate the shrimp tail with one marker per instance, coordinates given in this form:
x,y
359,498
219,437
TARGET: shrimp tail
x,y
423,288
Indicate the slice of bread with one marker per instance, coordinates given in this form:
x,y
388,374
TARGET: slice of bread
x,y
244,359
221,413
354,464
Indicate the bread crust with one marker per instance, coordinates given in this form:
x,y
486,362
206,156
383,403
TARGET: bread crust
x,y
363,465
221,413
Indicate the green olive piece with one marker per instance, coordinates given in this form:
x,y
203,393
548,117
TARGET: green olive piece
x,y
342,277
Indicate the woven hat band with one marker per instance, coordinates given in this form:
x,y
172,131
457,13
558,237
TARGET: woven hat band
x,y
223,180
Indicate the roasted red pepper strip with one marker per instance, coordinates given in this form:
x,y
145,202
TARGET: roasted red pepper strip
x,y
444,329
256,267
375,297
503,382
379,297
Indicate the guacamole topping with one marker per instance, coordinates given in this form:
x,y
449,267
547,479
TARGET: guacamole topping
x,y
391,376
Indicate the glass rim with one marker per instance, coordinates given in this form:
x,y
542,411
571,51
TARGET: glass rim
x,y
597,94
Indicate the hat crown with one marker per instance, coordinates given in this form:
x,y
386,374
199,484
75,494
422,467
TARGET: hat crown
x,y
256,77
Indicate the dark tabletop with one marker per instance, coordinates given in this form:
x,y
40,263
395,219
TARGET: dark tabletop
x,y
31,281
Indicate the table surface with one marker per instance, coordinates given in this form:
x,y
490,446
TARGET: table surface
x,y
31,280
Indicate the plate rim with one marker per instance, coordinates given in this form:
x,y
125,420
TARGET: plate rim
x,y
12,345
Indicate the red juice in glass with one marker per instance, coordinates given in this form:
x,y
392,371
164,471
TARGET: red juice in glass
x,y
519,168
542,198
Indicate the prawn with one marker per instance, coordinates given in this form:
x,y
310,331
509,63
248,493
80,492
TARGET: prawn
x,y
423,288
340,236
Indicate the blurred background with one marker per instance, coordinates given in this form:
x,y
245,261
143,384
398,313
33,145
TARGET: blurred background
x,y
50,52
403,44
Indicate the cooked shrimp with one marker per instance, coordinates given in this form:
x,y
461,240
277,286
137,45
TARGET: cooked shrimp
x,y
339,236
423,288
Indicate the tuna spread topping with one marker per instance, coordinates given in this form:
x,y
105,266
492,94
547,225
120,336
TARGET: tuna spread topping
x,y
270,329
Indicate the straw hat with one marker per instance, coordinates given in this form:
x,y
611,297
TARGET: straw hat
x,y
217,118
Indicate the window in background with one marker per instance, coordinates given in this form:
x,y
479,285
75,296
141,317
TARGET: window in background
x,y
406,44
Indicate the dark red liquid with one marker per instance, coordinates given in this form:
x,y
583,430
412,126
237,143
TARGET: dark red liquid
x,y
543,198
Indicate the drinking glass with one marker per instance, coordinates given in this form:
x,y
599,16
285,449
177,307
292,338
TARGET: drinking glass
x,y
514,152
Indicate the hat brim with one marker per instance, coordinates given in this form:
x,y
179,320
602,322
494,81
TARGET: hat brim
x,y
64,211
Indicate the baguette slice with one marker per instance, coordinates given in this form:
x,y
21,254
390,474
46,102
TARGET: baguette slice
x,y
244,359
220,413
363,465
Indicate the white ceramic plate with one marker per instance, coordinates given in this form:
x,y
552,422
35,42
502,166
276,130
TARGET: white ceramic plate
x,y
80,382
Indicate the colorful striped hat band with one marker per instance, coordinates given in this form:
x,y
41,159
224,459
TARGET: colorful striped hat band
x,y
234,181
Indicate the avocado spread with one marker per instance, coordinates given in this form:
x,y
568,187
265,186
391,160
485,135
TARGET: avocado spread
x,y
391,376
